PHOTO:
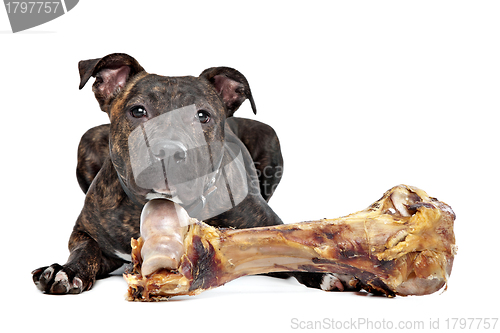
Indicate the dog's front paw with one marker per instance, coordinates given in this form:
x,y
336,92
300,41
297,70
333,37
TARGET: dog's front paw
x,y
56,279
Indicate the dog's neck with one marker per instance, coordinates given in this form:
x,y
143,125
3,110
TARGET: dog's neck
x,y
195,208
225,189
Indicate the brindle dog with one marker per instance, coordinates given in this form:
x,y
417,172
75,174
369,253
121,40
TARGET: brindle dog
x,y
100,241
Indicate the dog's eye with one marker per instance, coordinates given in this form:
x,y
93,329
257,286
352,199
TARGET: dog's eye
x,y
138,112
203,116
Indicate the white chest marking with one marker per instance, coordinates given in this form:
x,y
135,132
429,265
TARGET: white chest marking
x,y
124,256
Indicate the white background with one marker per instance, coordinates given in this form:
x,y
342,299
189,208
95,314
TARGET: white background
x,y
364,95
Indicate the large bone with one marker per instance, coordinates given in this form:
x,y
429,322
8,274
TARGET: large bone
x,y
403,244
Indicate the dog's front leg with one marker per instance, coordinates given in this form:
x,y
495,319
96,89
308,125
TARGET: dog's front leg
x,y
78,274
84,264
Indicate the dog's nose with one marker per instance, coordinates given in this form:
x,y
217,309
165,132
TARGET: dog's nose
x,y
169,148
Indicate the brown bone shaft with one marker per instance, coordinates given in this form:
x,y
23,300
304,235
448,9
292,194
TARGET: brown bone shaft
x,y
319,246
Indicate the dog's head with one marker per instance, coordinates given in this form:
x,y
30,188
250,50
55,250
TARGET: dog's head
x,y
167,133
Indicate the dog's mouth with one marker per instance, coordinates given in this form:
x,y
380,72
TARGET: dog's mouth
x,y
163,194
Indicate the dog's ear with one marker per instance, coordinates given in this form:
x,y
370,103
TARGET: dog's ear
x,y
231,86
111,72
